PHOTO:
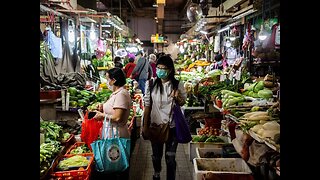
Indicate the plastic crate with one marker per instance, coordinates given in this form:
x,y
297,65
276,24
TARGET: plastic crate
x,y
222,168
69,142
203,152
74,146
80,174
228,151
193,145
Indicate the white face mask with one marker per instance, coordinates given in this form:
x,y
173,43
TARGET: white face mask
x,y
109,86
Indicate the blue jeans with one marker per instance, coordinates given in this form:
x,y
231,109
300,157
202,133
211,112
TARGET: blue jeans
x,y
170,155
142,84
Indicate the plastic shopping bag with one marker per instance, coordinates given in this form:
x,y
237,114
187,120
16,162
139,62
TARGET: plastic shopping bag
x,y
90,130
183,134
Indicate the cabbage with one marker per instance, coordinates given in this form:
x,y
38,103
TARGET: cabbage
x,y
265,93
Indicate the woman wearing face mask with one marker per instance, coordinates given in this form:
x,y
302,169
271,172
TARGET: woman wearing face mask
x,y
117,107
162,97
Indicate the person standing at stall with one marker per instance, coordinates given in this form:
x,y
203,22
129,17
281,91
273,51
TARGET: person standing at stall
x,y
153,61
129,67
163,95
142,71
117,107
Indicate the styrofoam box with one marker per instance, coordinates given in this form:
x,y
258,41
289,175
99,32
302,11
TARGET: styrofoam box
x,y
219,166
202,151
193,145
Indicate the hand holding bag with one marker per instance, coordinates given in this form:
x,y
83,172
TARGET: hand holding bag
x,y
111,154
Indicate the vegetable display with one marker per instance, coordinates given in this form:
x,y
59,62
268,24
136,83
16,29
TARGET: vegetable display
x,y
80,150
51,130
47,153
205,138
74,161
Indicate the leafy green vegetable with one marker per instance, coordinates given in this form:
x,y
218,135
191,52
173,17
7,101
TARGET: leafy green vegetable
x,y
259,86
74,161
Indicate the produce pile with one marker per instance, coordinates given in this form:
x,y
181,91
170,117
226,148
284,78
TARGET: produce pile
x,y
85,98
80,150
51,131
205,138
263,123
48,152
207,131
54,135
73,162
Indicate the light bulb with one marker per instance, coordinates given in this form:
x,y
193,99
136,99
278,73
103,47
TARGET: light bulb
x,y
262,35
71,36
228,43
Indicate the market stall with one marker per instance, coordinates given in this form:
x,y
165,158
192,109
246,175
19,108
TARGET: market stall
x,y
229,69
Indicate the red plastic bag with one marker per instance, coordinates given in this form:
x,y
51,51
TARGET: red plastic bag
x,y
91,130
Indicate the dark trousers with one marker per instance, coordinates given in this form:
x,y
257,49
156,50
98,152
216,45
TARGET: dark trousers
x,y
170,155
142,84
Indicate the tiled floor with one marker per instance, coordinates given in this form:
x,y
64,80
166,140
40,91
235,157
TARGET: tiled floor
x,y
141,164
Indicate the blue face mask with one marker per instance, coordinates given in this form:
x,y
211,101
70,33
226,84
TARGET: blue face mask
x,y
161,73
219,63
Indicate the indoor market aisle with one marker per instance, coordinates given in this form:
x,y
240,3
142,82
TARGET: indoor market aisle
x,y
141,164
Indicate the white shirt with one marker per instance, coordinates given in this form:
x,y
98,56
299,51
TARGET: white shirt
x,y
161,103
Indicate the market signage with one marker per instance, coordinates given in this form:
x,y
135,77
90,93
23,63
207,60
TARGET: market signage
x,y
157,39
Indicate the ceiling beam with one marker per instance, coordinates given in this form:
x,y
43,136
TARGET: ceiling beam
x,y
132,5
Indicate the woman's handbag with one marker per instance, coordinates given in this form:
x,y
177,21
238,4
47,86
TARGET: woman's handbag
x,y
183,134
153,132
158,133
111,154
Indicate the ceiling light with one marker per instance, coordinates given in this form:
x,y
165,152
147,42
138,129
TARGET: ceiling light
x,y
105,25
262,34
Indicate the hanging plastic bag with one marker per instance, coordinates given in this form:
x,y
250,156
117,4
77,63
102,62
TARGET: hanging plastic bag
x,y
90,130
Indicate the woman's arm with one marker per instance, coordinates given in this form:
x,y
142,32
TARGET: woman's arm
x,y
117,116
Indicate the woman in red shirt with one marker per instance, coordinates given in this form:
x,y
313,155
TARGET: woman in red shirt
x,y
129,67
